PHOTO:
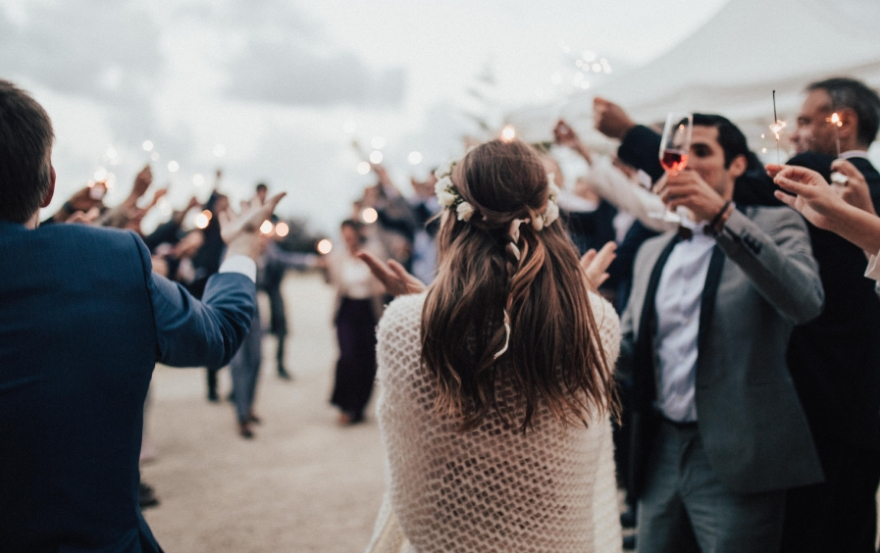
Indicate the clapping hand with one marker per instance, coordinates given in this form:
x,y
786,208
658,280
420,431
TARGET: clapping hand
x,y
241,232
595,264
392,275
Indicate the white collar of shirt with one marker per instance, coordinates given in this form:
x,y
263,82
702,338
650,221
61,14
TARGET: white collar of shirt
x,y
853,153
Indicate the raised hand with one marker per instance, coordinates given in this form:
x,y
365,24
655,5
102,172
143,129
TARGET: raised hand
x,y
392,275
241,232
688,189
855,190
142,182
610,119
813,197
564,135
595,264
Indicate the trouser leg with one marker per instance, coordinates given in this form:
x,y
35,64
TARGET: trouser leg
x,y
663,525
724,521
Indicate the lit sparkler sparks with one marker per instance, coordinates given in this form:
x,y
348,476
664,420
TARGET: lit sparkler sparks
x,y
776,128
836,123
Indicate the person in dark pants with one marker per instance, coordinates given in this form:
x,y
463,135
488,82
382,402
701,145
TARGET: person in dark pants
x,y
358,305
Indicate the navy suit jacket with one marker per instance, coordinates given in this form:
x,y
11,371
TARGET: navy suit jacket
x,y
83,320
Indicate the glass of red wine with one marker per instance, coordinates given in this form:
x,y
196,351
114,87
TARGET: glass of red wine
x,y
674,149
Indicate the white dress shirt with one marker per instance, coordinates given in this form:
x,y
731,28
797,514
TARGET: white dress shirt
x,y
679,294
241,264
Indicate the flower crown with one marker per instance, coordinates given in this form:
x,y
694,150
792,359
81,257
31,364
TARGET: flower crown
x,y
449,197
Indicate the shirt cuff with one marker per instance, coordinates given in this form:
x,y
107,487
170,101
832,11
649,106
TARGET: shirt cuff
x,y
873,270
241,264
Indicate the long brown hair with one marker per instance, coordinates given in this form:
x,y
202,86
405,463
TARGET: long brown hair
x,y
554,353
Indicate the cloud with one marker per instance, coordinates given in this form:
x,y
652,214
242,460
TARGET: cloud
x,y
287,73
104,50
285,59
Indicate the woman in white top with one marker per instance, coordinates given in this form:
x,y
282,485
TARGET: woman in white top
x,y
496,382
357,310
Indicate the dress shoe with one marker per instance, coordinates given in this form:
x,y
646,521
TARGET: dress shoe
x,y
629,543
283,374
244,430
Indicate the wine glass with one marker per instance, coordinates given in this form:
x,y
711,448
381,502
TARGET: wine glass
x,y
674,149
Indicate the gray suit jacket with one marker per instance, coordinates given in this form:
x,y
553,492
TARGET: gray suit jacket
x,y
750,419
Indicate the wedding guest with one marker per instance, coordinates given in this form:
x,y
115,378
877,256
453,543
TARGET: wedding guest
x,y
496,383
828,209
358,308
720,434
832,359
82,324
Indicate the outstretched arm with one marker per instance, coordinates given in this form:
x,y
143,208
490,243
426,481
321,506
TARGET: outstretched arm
x,y
208,332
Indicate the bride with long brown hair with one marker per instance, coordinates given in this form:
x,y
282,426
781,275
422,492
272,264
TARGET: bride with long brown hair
x,y
496,382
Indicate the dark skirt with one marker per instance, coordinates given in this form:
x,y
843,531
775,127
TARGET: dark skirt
x,y
356,368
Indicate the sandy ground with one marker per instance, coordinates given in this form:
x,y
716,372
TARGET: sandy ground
x,y
303,484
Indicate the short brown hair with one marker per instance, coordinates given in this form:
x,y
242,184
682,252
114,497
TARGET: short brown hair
x,y
25,153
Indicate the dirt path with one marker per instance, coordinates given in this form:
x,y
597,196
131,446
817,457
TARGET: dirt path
x,y
302,485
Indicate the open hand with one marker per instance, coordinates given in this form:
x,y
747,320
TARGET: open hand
x,y
813,197
392,275
595,264
241,232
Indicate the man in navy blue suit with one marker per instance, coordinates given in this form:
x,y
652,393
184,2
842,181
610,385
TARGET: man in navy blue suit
x,y
83,320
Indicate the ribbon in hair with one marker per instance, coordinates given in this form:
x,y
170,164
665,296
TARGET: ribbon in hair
x,y
507,336
514,249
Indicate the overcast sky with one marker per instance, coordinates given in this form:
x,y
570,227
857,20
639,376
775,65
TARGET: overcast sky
x,y
284,86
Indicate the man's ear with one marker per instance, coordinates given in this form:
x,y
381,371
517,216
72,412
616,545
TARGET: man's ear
x,y
47,199
738,166
849,123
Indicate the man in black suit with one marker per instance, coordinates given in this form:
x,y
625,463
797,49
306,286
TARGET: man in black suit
x,y
835,359
83,321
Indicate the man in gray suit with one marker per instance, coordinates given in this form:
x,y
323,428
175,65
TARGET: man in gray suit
x,y
719,431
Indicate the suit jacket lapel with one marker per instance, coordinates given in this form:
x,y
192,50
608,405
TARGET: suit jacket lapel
x,y
644,387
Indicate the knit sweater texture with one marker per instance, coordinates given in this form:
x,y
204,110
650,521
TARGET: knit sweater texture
x,y
491,489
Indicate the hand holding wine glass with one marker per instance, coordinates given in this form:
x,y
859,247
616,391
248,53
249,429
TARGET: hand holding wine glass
x,y
675,145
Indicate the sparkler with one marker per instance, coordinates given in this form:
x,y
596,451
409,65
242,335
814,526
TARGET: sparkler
x,y
837,123
776,127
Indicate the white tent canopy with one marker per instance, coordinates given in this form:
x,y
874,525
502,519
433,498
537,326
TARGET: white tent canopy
x,y
732,64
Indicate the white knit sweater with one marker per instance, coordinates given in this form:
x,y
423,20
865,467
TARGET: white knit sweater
x,y
491,489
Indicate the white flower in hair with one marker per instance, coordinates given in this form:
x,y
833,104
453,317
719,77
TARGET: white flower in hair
x,y
446,199
445,192
465,211
550,214
554,191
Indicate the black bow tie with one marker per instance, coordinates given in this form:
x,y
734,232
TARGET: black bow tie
x,y
685,233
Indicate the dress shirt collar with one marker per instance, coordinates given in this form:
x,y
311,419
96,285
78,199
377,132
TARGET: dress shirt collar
x,y
853,153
